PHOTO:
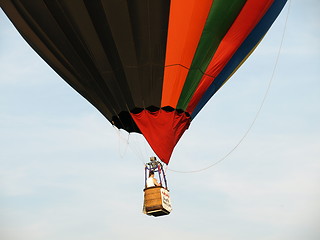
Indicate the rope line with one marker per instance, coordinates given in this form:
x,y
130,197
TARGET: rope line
x,y
129,142
259,109
121,153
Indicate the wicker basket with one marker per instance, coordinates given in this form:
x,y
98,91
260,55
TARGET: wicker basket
x,y
156,201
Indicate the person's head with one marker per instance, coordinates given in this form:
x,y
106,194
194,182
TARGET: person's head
x,y
151,173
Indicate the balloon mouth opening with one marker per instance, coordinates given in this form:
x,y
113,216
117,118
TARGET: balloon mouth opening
x,y
124,119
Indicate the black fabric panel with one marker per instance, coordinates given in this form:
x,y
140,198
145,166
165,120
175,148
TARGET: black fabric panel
x,y
111,51
108,89
76,71
149,19
113,73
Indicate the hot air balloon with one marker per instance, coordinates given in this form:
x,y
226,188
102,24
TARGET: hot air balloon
x,y
149,66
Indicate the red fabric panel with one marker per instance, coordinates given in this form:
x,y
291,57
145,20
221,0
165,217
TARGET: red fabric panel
x,y
247,19
162,130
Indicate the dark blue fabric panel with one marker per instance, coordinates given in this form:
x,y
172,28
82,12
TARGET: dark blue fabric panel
x,y
251,41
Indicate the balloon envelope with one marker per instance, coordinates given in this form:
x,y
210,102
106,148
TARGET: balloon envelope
x,y
149,66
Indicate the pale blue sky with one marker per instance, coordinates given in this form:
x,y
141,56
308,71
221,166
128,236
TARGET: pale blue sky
x,y
67,174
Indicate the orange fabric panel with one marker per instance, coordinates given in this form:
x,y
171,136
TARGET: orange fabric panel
x,y
186,22
248,18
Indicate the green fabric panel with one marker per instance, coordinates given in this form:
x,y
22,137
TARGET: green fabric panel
x,y
221,17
